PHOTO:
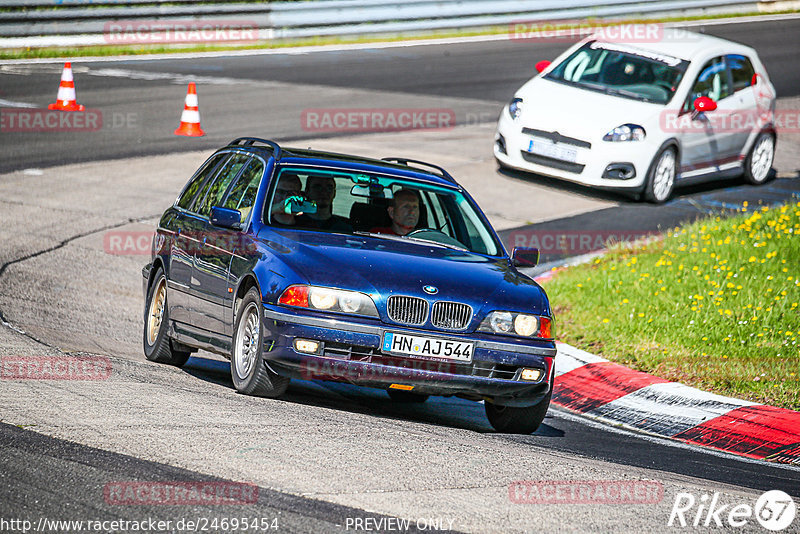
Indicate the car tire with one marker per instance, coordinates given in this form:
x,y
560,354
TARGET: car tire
x,y
406,396
514,420
661,176
158,346
758,164
250,373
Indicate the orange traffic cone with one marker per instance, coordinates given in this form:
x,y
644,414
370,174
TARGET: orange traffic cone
x,y
66,101
190,118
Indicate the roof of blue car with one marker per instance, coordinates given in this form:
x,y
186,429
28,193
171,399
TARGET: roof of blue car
x,y
405,167
300,156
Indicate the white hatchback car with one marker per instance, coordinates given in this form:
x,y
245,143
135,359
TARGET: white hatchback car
x,y
643,117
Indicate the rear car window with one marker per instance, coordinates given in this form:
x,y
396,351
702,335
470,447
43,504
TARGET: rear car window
x,y
186,198
243,194
742,71
218,187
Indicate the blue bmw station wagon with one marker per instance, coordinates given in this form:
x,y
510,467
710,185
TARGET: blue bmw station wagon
x,y
381,273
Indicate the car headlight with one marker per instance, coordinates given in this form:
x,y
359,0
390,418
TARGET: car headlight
x,y
626,132
526,325
500,322
518,324
327,299
515,108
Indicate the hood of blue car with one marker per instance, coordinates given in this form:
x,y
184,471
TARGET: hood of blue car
x,y
383,267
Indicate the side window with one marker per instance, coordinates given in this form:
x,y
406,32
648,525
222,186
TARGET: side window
x,y
219,185
742,71
243,194
185,201
712,82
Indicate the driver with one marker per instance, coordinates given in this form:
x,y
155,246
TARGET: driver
x,y
404,213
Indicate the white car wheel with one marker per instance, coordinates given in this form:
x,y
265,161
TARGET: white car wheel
x,y
661,176
759,161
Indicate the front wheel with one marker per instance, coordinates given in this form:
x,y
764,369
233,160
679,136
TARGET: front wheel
x,y
248,370
661,176
512,420
759,160
157,345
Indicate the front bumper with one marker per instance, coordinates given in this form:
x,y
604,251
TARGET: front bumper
x,y
350,351
591,165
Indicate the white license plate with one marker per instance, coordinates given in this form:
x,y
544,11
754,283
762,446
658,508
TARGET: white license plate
x,y
545,147
448,349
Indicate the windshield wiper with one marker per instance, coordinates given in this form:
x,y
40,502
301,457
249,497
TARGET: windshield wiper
x,y
406,238
623,92
605,89
445,245
374,234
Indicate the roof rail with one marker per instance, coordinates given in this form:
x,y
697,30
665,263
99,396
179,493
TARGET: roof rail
x,y
250,141
405,161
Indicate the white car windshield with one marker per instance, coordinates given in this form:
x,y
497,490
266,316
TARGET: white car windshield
x,y
623,71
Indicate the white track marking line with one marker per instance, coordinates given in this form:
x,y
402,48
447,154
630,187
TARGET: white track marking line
x,y
12,104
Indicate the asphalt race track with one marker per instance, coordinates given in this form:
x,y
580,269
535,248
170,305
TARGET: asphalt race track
x,y
325,455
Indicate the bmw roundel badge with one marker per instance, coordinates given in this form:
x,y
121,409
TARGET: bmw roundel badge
x,y
430,290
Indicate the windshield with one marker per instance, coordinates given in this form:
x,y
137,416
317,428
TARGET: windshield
x,y
349,202
622,71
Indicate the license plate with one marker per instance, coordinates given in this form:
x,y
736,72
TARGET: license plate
x,y
545,147
428,347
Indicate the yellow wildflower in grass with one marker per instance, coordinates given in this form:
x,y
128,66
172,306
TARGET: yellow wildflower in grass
x,y
754,292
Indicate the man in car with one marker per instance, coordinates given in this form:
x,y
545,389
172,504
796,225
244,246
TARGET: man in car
x,y
322,190
288,186
404,213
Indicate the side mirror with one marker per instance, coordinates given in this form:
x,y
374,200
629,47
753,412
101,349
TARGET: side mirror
x,y
703,104
525,257
226,218
542,65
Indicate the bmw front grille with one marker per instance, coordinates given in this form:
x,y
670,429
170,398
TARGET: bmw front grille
x,y
407,310
451,315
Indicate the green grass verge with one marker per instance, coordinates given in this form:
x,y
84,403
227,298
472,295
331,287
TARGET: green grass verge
x,y
121,50
713,304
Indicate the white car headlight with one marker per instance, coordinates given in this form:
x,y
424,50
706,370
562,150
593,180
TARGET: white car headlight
x,y
500,322
526,325
626,132
519,324
515,108
328,299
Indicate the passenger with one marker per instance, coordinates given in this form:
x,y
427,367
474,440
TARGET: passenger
x,y
322,190
404,213
288,186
